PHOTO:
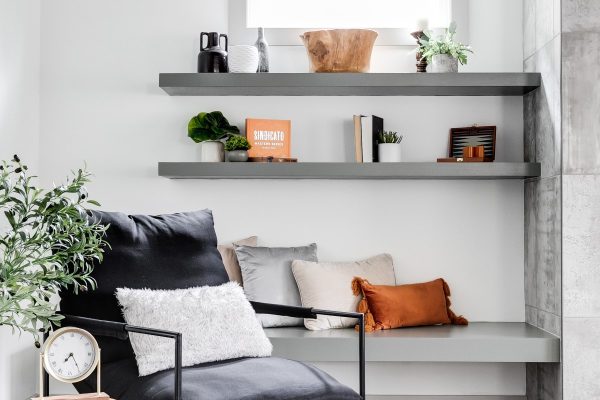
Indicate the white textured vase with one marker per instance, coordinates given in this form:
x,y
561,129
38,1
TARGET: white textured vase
x,y
212,151
390,152
243,59
441,63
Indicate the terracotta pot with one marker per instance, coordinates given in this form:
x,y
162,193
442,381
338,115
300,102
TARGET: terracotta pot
x,y
339,50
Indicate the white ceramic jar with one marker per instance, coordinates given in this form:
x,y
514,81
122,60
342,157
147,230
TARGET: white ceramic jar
x,y
242,59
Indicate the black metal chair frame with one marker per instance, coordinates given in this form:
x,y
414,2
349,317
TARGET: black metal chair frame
x,y
121,331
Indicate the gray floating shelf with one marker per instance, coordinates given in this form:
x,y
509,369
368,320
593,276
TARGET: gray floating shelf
x,y
347,84
332,170
478,342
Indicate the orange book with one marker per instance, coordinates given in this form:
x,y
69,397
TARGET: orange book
x,y
269,137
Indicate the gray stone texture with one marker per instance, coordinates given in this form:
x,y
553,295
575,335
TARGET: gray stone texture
x,y
541,110
581,102
544,22
528,28
580,15
542,142
543,244
581,354
581,198
581,241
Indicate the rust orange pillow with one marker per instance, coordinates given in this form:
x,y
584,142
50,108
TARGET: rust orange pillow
x,y
388,307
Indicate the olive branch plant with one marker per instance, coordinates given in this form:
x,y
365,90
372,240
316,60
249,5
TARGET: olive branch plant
x,y
47,244
429,45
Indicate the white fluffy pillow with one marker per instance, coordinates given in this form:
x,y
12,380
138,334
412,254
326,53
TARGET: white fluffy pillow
x,y
328,286
216,323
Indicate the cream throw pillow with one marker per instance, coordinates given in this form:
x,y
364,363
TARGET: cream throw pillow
x,y
230,260
328,286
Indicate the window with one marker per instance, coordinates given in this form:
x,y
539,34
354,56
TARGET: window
x,y
393,19
347,13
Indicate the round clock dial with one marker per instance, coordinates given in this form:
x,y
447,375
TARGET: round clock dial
x,y
71,354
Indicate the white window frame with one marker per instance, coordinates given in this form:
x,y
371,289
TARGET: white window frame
x,y
239,34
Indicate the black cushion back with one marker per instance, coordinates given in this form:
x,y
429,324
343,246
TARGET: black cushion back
x,y
173,251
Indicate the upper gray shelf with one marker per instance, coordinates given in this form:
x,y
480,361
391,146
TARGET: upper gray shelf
x,y
334,170
348,84
478,342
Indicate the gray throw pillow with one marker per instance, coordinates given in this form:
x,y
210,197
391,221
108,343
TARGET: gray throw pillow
x,y
268,278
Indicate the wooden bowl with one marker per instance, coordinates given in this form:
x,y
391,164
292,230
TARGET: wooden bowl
x,y
339,50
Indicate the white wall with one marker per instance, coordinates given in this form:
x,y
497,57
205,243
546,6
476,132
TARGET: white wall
x,y
19,127
100,103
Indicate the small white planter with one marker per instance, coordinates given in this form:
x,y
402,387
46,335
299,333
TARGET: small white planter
x,y
243,59
441,63
212,151
390,152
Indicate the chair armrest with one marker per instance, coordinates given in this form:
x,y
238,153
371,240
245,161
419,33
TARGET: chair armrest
x,y
305,312
120,330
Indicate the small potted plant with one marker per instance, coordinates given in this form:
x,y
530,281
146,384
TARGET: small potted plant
x,y
443,53
237,148
209,129
389,147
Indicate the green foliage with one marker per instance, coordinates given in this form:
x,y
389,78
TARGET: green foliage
x,y
210,126
46,244
431,46
390,137
237,142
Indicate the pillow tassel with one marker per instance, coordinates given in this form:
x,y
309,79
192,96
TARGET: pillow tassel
x,y
363,305
454,320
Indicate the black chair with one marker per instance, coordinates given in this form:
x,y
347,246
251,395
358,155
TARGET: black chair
x,y
179,251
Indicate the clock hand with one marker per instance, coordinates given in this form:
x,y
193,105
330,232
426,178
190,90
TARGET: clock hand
x,y
77,365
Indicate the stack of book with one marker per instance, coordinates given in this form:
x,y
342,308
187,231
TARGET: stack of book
x,y
366,137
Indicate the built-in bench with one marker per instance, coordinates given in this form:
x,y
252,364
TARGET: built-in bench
x,y
478,342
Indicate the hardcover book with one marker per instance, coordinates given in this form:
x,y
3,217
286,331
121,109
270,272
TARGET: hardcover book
x,y
366,137
269,137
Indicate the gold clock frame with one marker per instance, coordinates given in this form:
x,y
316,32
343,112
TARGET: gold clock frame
x,y
45,360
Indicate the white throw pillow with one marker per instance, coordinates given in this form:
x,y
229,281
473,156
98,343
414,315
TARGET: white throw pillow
x,y
328,286
216,323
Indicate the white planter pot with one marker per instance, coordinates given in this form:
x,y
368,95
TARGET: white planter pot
x,y
441,63
390,152
212,151
243,59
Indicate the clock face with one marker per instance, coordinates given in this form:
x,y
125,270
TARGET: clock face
x,y
70,354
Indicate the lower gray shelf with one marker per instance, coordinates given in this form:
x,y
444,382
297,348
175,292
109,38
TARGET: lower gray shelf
x,y
332,170
500,342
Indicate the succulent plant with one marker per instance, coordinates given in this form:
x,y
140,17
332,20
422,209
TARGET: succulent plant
x,y
390,137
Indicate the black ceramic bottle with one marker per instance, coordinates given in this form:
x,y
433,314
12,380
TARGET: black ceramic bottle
x,y
212,57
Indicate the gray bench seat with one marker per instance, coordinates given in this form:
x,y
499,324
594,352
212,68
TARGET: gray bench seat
x,y
477,342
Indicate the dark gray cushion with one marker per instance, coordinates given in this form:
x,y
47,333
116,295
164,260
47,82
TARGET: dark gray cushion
x,y
174,251
247,378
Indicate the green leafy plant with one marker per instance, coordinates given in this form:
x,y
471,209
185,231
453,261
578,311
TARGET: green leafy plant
x,y
237,142
431,46
46,244
210,126
390,137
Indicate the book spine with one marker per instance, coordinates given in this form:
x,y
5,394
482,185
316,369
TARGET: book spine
x,y
357,139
